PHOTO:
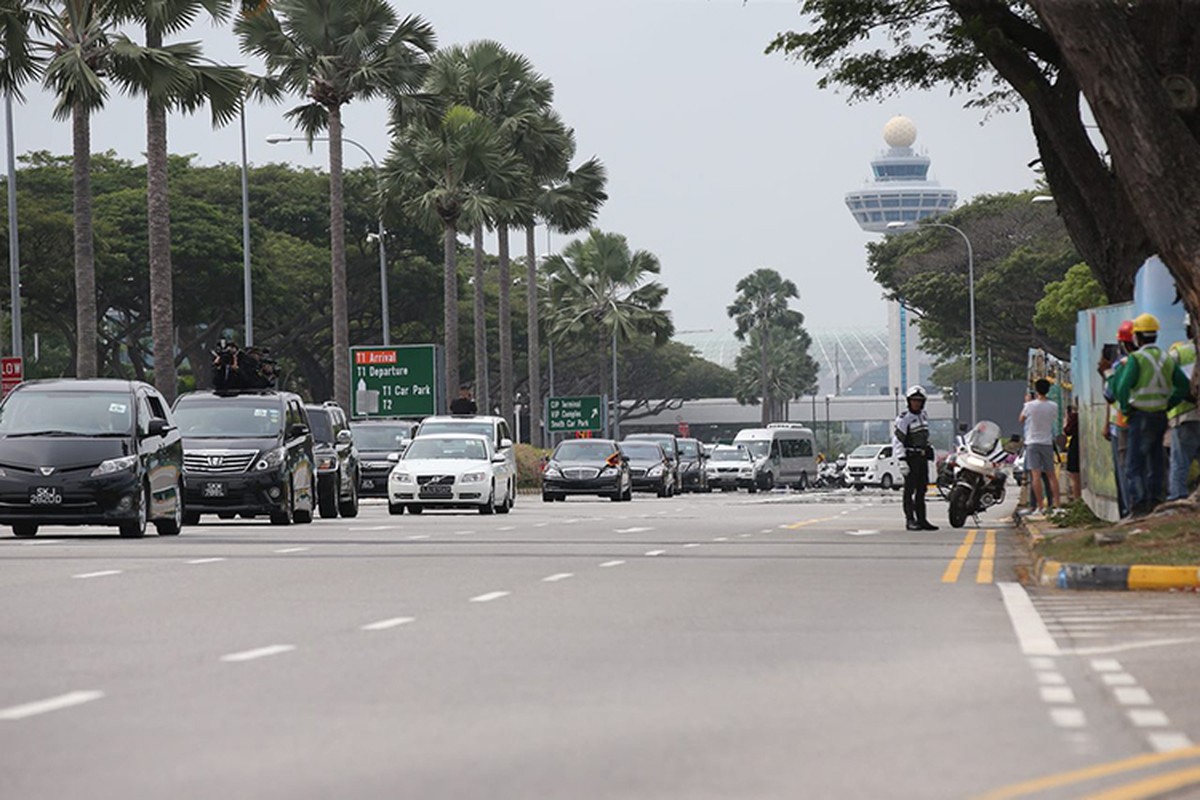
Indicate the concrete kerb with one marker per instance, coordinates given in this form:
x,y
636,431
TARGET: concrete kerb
x,y
1059,575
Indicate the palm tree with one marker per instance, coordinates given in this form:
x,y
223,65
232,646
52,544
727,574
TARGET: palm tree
x,y
333,52
761,305
792,372
446,168
599,288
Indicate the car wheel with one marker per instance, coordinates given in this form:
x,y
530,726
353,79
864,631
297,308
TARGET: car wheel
x,y
396,509
283,516
327,502
191,517
886,482
136,529
752,488
25,530
547,498
413,508
172,526
769,482
226,515
349,508
490,506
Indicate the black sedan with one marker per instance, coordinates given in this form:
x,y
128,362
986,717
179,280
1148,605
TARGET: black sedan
x,y
380,444
693,466
90,452
587,466
650,467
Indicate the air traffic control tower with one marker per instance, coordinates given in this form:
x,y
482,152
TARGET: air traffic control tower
x,y
900,191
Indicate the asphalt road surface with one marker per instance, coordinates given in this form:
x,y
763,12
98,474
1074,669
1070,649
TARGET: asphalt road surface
x,y
715,646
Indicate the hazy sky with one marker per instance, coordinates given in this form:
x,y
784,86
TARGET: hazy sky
x,y
721,159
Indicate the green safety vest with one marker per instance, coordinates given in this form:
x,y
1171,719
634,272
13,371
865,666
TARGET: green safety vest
x,y
1183,354
1152,391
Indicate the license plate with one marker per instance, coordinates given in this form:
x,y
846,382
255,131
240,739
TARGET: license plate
x,y
214,490
43,496
438,490
368,483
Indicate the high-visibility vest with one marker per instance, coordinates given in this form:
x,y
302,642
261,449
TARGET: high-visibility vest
x,y
1183,354
1152,391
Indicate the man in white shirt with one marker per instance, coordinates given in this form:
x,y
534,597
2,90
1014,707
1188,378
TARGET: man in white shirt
x,y
1039,416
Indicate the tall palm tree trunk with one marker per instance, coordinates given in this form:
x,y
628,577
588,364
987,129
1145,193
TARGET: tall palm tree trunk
x,y
85,254
765,341
450,305
505,323
158,218
337,245
482,395
535,350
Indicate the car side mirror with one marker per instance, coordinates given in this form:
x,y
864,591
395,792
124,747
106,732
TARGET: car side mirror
x,y
498,458
506,443
297,430
345,437
393,457
157,427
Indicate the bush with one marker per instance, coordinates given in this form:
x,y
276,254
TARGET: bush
x,y
1075,515
529,466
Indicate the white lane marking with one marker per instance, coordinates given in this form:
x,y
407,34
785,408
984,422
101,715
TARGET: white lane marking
x,y
764,530
1041,662
1132,696
1051,678
1106,665
1148,718
418,537
258,652
463,533
507,528
561,576
1068,717
540,524
1118,679
384,624
293,549
101,574
67,700
655,552
205,560
489,597
1166,742
721,539
1027,623
632,530
40,541
370,528
862,533
612,563
1057,694
1122,648
692,544
747,535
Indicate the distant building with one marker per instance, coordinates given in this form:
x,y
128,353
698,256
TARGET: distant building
x,y
900,191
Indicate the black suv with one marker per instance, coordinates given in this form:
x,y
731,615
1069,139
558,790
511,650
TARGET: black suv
x,y
247,453
89,452
380,442
337,461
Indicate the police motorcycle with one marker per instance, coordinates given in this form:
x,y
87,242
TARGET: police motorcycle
x,y
978,477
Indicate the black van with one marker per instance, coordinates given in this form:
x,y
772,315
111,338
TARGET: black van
x,y
89,452
248,453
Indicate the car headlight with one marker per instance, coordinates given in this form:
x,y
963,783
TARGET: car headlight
x,y
474,477
115,465
747,471
655,471
325,463
400,476
271,459
552,471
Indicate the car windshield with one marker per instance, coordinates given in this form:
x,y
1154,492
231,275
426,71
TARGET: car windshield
x,y
584,450
867,451
482,428
642,451
437,447
689,449
758,449
731,454
228,418
380,437
322,430
33,411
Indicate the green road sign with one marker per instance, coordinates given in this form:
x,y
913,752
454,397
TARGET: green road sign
x,y
399,381
571,414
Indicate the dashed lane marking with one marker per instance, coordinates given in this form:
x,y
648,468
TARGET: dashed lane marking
x,y
655,552
205,560
721,539
1166,742
561,576
385,624
293,549
1068,717
507,528
692,544
257,653
68,700
1148,718
104,573
489,597
1132,696
418,537
632,530
1057,694
607,564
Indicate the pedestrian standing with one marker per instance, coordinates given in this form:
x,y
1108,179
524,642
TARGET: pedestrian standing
x,y
464,403
1183,417
1071,431
910,438
1143,391
1116,425
1038,417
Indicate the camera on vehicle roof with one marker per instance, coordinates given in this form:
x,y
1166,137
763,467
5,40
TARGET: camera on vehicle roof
x,y
237,369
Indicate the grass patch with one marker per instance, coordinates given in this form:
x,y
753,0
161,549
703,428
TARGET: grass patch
x,y
1168,541
1076,515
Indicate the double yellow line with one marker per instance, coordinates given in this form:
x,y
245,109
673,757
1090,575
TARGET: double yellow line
x,y
987,564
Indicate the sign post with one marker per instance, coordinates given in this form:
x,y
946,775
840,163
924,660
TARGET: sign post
x,y
396,381
575,414
12,372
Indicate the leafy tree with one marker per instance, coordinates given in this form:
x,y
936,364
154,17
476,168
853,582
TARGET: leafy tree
x,y
791,371
762,305
333,52
1057,311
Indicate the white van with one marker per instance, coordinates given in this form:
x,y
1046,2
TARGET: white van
x,y
873,465
783,453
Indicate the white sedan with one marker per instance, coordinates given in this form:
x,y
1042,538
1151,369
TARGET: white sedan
x,y
450,470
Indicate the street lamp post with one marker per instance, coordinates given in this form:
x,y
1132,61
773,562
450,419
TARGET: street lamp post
x,y
14,247
247,290
828,427
971,296
278,138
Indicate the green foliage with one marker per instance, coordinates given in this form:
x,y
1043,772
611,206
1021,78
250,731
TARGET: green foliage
x,y
791,371
529,466
1057,311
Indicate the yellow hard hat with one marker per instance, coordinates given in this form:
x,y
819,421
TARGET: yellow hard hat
x,y
1145,323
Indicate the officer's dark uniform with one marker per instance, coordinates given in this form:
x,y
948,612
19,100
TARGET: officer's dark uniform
x,y
910,437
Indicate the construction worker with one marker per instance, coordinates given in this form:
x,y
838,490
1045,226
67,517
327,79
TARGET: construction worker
x,y
1143,393
910,441
1183,417
1116,426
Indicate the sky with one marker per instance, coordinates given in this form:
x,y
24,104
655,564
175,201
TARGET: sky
x,y
721,159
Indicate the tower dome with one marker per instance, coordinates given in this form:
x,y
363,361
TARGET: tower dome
x,y
900,132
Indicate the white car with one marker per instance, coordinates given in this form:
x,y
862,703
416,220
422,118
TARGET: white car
x,y
874,465
450,470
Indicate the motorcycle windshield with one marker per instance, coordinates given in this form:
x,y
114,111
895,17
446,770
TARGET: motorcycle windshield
x,y
983,438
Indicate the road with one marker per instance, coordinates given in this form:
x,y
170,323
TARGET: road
x,y
716,646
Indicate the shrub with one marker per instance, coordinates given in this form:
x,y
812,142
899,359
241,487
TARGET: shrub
x,y
529,466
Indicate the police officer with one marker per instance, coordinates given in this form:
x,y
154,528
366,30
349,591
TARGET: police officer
x,y
910,437
1143,392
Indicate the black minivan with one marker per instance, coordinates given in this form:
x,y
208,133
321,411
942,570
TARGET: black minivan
x,y
89,452
247,453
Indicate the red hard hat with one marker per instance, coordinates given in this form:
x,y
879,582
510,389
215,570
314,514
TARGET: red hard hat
x,y
1125,332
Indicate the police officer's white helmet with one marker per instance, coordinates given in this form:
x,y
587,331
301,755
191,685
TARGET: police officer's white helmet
x,y
915,392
